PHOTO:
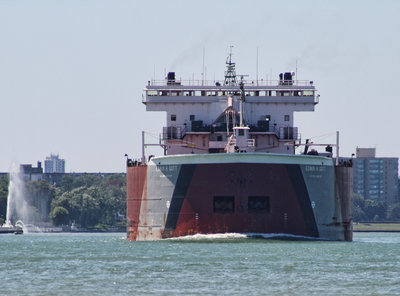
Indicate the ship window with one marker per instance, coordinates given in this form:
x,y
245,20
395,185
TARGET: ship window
x,y
173,117
224,204
152,92
308,93
258,204
192,117
241,132
287,117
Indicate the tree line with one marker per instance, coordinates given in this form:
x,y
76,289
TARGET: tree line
x,y
374,210
90,202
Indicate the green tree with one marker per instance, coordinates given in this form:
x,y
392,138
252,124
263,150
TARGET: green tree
x,y
394,212
90,209
92,201
67,182
4,180
358,208
375,210
59,216
86,180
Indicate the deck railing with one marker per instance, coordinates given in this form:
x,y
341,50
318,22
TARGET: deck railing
x,y
179,131
261,82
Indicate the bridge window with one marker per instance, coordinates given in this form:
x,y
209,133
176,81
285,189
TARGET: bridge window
x,y
308,93
152,93
287,118
173,117
192,117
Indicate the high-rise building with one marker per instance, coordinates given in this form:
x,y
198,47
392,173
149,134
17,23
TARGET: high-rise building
x,y
53,164
375,177
30,172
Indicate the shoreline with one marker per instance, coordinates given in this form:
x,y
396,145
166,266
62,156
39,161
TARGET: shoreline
x,y
376,227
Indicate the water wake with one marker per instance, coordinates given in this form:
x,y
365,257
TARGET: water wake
x,y
243,236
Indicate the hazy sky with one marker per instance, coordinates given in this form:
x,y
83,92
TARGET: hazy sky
x,y
72,72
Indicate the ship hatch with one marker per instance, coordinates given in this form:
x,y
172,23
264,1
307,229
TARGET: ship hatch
x,y
258,204
224,204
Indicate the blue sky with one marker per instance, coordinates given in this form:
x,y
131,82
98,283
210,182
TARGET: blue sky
x,y
72,72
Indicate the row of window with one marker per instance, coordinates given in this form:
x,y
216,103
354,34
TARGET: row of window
x,y
255,204
267,93
192,117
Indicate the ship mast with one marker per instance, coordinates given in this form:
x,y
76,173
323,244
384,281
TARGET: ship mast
x,y
242,99
230,73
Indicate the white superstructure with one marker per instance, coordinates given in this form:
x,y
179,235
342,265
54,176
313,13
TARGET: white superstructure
x,y
231,115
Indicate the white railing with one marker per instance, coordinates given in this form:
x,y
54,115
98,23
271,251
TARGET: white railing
x,y
287,133
173,132
261,82
251,142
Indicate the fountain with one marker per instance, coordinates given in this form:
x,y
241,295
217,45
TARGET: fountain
x,y
14,198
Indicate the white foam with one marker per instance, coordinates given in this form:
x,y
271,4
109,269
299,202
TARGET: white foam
x,y
212,236
233,236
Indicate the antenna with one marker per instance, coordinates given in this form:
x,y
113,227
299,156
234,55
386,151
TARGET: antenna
x,y
204,54
230,73
337,148
242,100
257,67
270,74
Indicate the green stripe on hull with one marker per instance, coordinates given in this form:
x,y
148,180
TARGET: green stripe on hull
x,y
242,158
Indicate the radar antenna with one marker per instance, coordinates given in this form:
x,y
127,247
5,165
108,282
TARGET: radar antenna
x,y
230,73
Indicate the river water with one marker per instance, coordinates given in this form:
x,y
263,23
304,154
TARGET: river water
x,y
107,264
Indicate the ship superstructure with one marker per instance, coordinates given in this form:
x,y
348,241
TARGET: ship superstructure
x,y
229,163
203,115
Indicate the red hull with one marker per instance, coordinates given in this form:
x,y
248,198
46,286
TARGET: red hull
x,y
197,215
193,201
136,181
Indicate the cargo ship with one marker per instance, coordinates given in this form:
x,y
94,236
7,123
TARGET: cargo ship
x,y
229,163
